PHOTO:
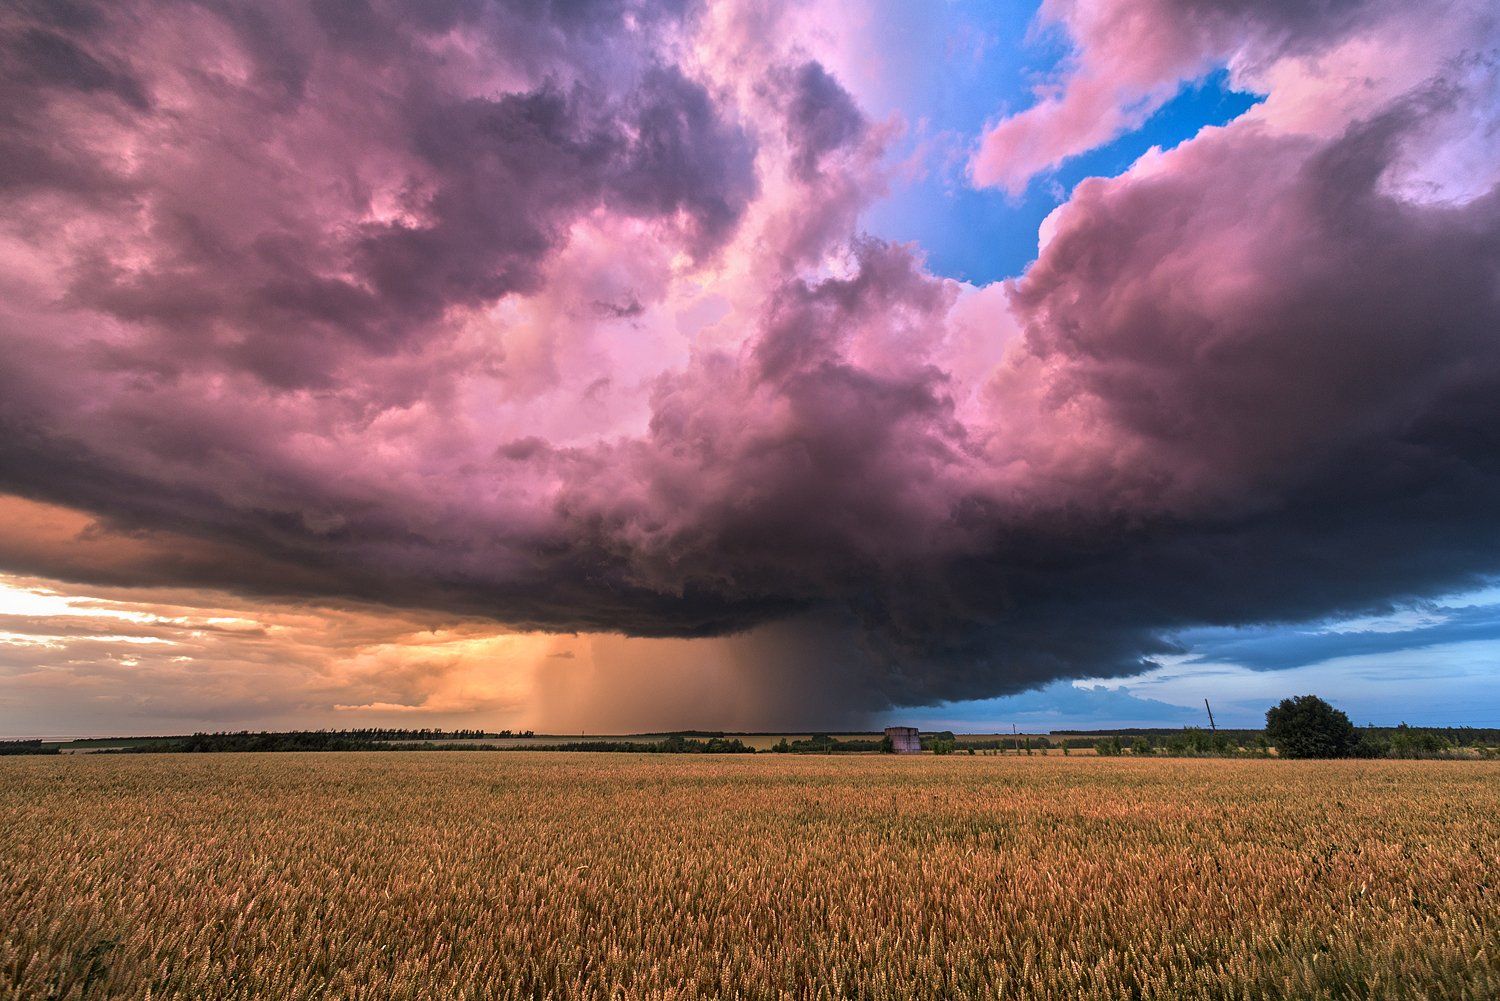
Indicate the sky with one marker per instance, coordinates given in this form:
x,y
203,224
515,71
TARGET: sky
x,y
586,366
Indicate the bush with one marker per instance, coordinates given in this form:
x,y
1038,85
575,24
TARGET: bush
x,y
1409,743
822,743
1108,747
1308,727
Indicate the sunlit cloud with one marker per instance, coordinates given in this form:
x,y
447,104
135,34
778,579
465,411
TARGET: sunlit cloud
x,y
358,365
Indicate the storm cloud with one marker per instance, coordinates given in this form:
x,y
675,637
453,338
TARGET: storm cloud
x,y
557,314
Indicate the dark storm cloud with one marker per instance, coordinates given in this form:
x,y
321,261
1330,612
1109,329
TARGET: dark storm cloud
x,y
330,306
1292,370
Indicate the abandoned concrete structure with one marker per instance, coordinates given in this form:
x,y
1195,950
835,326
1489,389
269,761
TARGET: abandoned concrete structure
x,y
904,739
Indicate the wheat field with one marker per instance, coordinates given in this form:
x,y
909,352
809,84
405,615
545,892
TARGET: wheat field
x,y
521,875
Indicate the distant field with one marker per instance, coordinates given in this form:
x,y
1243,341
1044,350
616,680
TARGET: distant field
x,y
759,741
372,876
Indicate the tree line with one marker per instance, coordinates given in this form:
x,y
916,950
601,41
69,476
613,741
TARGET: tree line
x,y
1301,727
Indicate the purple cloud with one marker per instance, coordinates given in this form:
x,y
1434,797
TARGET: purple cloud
x,y
560,315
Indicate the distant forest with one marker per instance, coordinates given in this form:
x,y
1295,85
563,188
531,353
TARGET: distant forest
x,y
26,747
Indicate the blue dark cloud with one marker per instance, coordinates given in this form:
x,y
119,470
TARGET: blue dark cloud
x,y
1274,648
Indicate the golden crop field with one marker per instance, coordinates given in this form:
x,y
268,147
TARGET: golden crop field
x,y
517,875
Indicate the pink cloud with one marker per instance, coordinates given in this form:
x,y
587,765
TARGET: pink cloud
x,y
1131,56
563,320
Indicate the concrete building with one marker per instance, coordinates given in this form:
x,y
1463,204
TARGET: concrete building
x,y
904,739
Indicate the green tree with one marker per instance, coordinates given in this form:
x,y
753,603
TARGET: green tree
x,y
1308,727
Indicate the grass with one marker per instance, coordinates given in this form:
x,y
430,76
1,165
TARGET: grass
x,y
470,875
